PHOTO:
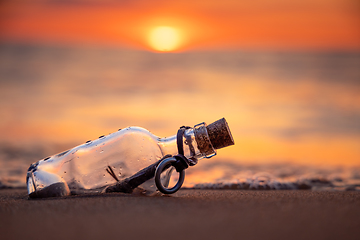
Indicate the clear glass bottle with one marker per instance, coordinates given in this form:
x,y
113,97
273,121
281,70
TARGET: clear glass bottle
x,y
109,159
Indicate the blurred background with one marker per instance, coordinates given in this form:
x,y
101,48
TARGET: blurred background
x,y
285,75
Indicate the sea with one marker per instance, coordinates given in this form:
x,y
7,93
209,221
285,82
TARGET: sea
x,y
295,116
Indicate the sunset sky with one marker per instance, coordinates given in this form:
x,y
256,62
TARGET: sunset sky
x,y
260,24
285,74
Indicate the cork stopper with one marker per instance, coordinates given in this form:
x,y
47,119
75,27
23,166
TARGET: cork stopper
x,y
214,136
219,134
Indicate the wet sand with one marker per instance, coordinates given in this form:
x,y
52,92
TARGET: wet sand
x,y
188,214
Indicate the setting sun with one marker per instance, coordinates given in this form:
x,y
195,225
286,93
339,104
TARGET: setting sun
x,y
164,39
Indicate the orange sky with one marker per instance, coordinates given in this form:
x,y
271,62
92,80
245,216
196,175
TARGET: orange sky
x,y
277,24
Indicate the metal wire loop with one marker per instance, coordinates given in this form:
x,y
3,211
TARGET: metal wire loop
x,y
163,166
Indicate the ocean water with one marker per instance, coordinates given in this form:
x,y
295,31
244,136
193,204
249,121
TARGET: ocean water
x,y
295,117
273,176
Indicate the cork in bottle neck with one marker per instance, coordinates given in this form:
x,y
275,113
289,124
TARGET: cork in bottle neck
x,y
214,136
219,134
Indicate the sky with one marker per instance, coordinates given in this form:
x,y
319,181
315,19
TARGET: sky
x,y
285,74
227,24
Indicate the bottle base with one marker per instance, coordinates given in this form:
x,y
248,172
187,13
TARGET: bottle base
x,y
59,189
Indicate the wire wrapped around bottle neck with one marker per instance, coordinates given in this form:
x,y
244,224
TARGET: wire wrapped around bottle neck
x,y
179,139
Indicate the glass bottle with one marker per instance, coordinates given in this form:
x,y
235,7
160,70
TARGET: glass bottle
x,y
97,164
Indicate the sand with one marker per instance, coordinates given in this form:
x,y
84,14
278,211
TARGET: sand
x,y
188,214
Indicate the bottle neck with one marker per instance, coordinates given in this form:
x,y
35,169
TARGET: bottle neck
x,y
168,145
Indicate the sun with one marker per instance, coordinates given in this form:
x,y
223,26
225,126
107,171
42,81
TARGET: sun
x,y
164,39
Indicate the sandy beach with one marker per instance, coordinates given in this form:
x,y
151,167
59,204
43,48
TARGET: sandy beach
x,y
188,214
